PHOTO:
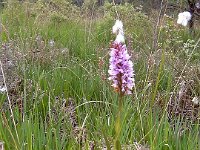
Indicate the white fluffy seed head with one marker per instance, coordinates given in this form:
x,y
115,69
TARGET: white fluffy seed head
x,y
120,38
118,30
184,18
117,27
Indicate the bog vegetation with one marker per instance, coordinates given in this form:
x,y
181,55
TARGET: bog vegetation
x,y
55,92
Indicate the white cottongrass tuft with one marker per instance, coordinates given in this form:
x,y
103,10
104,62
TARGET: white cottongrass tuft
x,y
120,38
117,27
184,18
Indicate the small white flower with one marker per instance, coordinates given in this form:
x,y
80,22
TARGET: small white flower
x,y
117,27
184,18
38,38
51,43
195,100
197,5
3,89
10,63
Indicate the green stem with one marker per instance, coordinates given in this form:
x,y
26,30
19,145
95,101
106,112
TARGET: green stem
x,y
118,124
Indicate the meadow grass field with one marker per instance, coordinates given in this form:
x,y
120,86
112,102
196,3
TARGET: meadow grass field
x,y
54,63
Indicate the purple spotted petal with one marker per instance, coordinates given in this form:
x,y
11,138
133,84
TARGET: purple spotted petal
x,y
121,71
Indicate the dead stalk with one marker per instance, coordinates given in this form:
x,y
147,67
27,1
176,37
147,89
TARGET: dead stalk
x,y
156,31
9,101
1,146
